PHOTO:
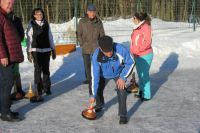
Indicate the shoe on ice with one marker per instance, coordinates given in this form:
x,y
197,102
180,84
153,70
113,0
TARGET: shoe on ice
x,y
123,120
17,96
86,82
138,95
144,99
36,99
10,117
98,108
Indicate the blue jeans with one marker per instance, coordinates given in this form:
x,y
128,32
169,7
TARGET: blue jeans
x,y
143,64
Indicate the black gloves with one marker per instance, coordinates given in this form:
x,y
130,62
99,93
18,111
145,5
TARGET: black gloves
x,y
53,54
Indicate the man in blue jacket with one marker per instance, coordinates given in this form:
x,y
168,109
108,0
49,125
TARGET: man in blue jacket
x,y
110,61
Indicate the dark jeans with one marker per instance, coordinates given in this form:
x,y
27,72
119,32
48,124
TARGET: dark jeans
x,y
6,83
41,67
17,78
122,95
87,66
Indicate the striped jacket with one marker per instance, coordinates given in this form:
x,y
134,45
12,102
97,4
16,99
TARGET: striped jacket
x,y
119,65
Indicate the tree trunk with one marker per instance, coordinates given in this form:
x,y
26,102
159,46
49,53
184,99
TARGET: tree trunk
x,y
101,9
21,9
106,8
57,11
156,8
172,4
69,10
168,10
185,15
121,8
162,10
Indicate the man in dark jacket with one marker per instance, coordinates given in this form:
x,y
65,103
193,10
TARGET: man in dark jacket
x,y
18,93
10,53
90,29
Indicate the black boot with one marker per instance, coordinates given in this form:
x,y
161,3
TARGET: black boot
x,y
86,82
138,95
39,89
18,92
123,120
36,99
98,108
48,91
15,113
10,117
144,99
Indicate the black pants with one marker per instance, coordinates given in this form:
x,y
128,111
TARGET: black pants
x,y
122,95
41,71
17,80
87,66
6,83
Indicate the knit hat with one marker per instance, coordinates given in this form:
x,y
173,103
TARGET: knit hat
x,y
106,43
91,7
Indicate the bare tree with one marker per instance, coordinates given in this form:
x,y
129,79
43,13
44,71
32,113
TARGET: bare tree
x,y
62,10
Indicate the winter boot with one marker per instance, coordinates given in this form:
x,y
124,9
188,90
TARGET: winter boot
x,y
123,120
48,91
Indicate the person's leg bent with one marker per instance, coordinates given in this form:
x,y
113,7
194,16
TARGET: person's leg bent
x,y
100,97
122,96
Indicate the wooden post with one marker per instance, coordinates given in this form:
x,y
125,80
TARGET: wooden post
x,y
47,8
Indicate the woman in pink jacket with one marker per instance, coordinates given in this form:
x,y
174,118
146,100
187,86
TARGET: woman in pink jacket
x,y
142,51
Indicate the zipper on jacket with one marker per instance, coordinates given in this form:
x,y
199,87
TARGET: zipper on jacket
x,y
113,69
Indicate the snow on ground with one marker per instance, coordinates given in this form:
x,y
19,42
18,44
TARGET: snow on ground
x,y
174,107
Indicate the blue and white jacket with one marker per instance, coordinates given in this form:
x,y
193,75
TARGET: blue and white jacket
x,y
119,65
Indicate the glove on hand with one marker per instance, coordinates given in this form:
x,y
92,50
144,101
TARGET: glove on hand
x,y
53,54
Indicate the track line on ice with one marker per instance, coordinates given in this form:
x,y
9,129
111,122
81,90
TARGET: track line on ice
x,y
72,75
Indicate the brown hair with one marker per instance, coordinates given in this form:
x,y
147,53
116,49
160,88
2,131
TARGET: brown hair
x,y
36,10
143,17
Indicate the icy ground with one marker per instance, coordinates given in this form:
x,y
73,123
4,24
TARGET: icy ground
x,y
174,108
